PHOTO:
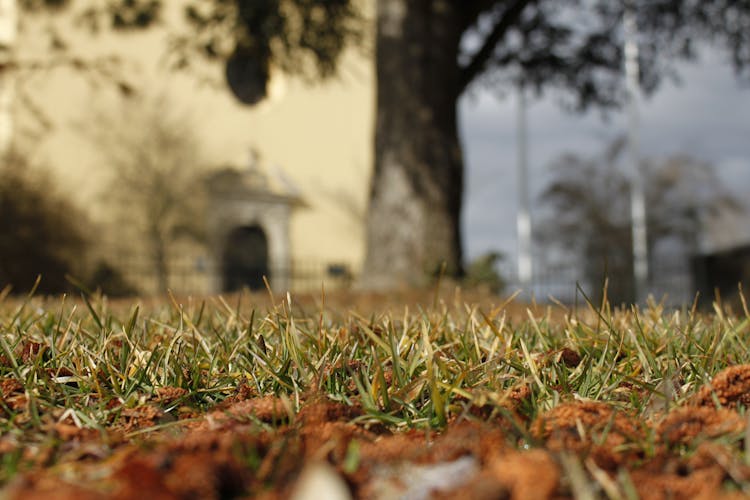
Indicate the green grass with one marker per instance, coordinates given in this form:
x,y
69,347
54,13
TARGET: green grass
x,y
418,368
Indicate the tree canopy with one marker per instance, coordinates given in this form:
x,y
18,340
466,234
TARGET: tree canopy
x,y
299,37
574,46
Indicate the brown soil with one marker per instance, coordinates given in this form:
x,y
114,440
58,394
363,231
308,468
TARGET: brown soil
x,y
257,447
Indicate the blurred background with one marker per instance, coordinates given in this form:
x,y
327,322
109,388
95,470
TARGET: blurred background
x,y
199,146
702,118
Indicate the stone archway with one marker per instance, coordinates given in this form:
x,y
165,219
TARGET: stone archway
x,y
248,229
245,259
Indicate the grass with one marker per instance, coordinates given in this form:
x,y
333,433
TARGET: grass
x,y
91,361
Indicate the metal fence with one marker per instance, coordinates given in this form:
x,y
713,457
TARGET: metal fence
x,y
671,281
198,275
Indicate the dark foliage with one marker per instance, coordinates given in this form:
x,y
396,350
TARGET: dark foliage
x,y
301,37
575,48
568,45
118,14
40,231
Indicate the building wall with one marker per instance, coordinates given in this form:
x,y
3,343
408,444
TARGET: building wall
x,y
320,135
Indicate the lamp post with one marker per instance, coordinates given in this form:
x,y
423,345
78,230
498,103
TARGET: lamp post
x,y
523,217
637,192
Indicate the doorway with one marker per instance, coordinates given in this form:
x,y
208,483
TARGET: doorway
x,y
245,259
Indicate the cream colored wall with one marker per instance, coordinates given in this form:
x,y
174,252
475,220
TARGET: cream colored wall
x,y
320,135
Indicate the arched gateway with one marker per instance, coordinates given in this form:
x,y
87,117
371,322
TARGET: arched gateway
x,y
249,229
245,259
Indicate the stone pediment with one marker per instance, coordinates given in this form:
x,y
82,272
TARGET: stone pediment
x,y
230,183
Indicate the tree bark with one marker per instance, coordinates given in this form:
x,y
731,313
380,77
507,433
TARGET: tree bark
x,y
417,185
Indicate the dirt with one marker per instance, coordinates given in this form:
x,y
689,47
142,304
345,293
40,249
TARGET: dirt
x,y
258,447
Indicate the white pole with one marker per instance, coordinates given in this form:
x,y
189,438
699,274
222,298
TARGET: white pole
x,y
637,196
523,218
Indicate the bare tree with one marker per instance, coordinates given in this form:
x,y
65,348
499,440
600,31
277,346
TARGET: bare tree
x,y
585,214
156,190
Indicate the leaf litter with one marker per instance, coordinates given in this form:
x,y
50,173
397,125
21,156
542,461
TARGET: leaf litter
x,y
299,405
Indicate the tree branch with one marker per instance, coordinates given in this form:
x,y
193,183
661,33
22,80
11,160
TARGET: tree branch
x,y
471,11
478,63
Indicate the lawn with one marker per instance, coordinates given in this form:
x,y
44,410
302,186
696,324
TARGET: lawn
x,y
434,395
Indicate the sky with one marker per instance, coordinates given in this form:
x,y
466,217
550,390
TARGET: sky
x,y
706,115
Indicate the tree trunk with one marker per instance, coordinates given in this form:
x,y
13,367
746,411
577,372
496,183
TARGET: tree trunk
x,y
417,185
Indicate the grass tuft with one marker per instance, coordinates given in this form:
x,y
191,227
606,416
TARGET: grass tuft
x,y
100,367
